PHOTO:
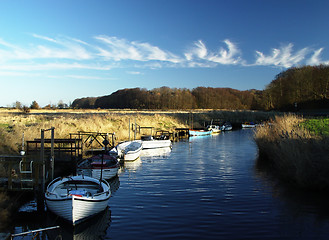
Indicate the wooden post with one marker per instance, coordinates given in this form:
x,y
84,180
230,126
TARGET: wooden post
x,y
129,130
10,180
113,139
42,159
52,153
135,130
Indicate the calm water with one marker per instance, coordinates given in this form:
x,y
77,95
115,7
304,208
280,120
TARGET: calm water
x,y
205,188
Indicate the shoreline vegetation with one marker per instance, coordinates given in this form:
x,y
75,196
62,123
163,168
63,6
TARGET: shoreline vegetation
x,y
295,150
13,123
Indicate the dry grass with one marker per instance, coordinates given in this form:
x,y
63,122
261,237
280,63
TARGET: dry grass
x,y
14,124
295,154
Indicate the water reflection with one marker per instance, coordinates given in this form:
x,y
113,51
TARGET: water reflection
x,y
206,188
94,228
296,202
156,152
133,166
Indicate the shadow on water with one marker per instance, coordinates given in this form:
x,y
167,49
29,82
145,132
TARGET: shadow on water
x,y
94,228
299,202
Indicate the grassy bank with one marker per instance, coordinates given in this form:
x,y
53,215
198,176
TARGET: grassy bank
x,y
12,126
295,152
13,123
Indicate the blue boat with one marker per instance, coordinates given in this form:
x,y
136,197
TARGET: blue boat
x,y
199,132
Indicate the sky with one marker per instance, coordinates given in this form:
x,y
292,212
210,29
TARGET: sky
x,y
58,51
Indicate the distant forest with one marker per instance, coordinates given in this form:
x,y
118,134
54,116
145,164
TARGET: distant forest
x,y
298,87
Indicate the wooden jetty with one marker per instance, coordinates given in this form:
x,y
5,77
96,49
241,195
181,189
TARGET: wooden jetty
x,y
181,132
31,172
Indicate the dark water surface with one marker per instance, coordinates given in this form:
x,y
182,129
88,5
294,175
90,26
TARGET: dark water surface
x,y
205,188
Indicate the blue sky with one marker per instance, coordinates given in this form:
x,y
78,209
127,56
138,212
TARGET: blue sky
x,y
53,51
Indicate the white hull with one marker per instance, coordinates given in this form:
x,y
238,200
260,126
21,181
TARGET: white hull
x,y
130,150
132,155
83,208
150,144
214,129
248,126
156,152
70,205
96,173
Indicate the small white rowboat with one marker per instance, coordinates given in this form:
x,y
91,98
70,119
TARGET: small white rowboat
x,y
77,198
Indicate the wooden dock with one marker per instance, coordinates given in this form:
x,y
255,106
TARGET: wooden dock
x,y
45,159
181,132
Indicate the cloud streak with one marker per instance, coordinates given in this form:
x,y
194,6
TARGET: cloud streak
x,y
283,57
107,52
228,56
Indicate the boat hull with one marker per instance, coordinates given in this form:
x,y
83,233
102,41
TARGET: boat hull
x,y
151,144
133,151
199,132
248,125
72,206
108,173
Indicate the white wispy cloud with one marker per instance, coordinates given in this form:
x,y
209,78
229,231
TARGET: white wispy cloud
x,y
134,73
108,52
315,59
225,56
283,57
121,49
52,66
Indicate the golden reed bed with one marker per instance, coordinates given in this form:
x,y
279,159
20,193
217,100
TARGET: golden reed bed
x,y
294,154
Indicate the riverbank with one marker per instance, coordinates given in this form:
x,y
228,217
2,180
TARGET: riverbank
x,y
13,123
294,153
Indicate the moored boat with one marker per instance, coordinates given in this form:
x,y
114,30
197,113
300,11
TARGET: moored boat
x,y
214,129
102,164
248,125
76,198
149,142
227,126
132,151
199,132
129,150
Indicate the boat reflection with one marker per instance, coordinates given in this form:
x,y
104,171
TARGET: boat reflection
x,y
94,228
156,152
114,184
133,166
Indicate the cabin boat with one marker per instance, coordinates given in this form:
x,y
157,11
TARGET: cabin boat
x,y
213,128
226,127
150,143
77,198
104,165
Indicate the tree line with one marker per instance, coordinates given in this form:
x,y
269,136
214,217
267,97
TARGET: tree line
x,y
173,98
297,87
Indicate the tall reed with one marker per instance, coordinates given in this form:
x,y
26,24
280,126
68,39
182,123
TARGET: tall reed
x,y
295,154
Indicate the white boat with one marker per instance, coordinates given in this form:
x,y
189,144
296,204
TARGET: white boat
x,y
105,165
149,142
226,127
76,198
248,125
214,129
156,152
129,150
193,132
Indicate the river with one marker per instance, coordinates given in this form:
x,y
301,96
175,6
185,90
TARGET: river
x,y
204,188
